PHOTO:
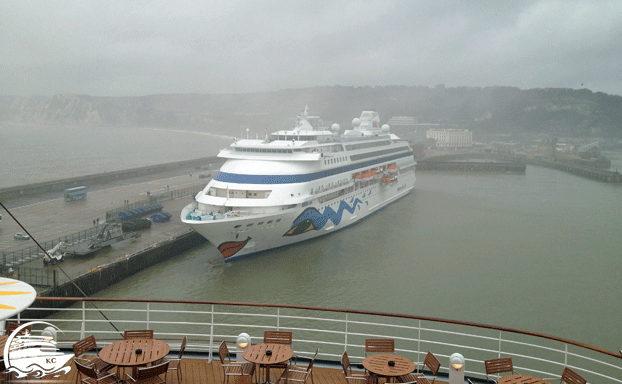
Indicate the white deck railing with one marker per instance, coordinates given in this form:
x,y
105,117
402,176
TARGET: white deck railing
x,y
332,330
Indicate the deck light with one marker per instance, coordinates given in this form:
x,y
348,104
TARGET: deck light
x,y
456,373
243,341
49,332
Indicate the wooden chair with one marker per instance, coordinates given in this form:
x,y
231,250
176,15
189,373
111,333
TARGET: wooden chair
x,y
10,327
138,334
86,345
149,375
433,364
276,337
571,377
231,368
496,366
413,378
299,374
174,364
354,377
379,346
92,376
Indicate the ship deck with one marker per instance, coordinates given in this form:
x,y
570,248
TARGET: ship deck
x,y
201,371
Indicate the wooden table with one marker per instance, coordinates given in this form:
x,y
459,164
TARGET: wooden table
x,y
123,353
379,365
520,379
257,354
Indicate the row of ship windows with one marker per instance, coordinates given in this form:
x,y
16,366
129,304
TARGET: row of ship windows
x,y
265,150
260,223
336,160
376,153
351,147
299,137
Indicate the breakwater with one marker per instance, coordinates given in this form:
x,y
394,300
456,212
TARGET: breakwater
x,y
100,178
471,163
589,173
470,166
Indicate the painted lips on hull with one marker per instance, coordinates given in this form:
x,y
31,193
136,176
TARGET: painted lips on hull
x,y
230,248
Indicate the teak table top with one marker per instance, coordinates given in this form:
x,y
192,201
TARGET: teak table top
x,y
123,352
521,379
257,354
379,364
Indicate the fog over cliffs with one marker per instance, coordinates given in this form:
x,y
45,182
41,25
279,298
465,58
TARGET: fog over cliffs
x,y
556,111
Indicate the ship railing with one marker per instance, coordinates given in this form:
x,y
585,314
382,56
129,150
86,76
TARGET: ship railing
x,y
207,323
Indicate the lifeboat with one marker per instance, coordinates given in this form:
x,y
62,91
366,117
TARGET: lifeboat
x,y
389,179
392,168
365,175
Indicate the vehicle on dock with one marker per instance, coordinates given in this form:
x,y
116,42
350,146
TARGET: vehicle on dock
x,y
56,254
21,236
76,193
161,217
136,225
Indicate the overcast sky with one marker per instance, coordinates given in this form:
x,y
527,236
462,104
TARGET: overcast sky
x,y
132,47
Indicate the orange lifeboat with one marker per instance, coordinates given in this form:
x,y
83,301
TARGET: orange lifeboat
x,y
389,179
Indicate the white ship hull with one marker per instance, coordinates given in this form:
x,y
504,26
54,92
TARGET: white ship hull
x,y
271,194
261,238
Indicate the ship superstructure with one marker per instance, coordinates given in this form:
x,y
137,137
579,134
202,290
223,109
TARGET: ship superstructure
x,y
302,183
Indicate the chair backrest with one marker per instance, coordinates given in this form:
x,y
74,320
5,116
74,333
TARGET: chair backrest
x,y
501,365
277,337
379,345
86,370
571,377
10,327
138,334
345,364
153,371
84,345
432,363
310,366
182,348
223,352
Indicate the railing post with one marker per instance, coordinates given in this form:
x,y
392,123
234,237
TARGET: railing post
x,y
500,344
83,326
418,342
345,345
278,319
148,316
211,335
565,354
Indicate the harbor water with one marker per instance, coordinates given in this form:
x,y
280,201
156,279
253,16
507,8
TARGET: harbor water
x,y
540,252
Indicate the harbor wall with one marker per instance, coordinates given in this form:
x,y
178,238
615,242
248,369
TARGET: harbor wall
x,y
100,178
601,175
104,276
470,166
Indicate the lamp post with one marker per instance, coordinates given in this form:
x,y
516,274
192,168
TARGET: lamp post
x,y
456,369
242,342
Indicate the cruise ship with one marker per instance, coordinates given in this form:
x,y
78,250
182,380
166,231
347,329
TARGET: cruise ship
x,y
298,184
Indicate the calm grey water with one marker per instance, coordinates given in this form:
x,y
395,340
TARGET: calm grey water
x,y
539,252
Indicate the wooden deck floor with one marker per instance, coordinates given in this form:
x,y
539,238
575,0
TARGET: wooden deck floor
x,y
200,371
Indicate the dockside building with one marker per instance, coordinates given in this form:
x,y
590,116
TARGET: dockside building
x,y
451,138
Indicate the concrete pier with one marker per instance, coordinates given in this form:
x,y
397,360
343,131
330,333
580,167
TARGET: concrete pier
x,y
49,220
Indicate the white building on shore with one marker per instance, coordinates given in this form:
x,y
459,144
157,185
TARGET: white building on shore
x,y
451,138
